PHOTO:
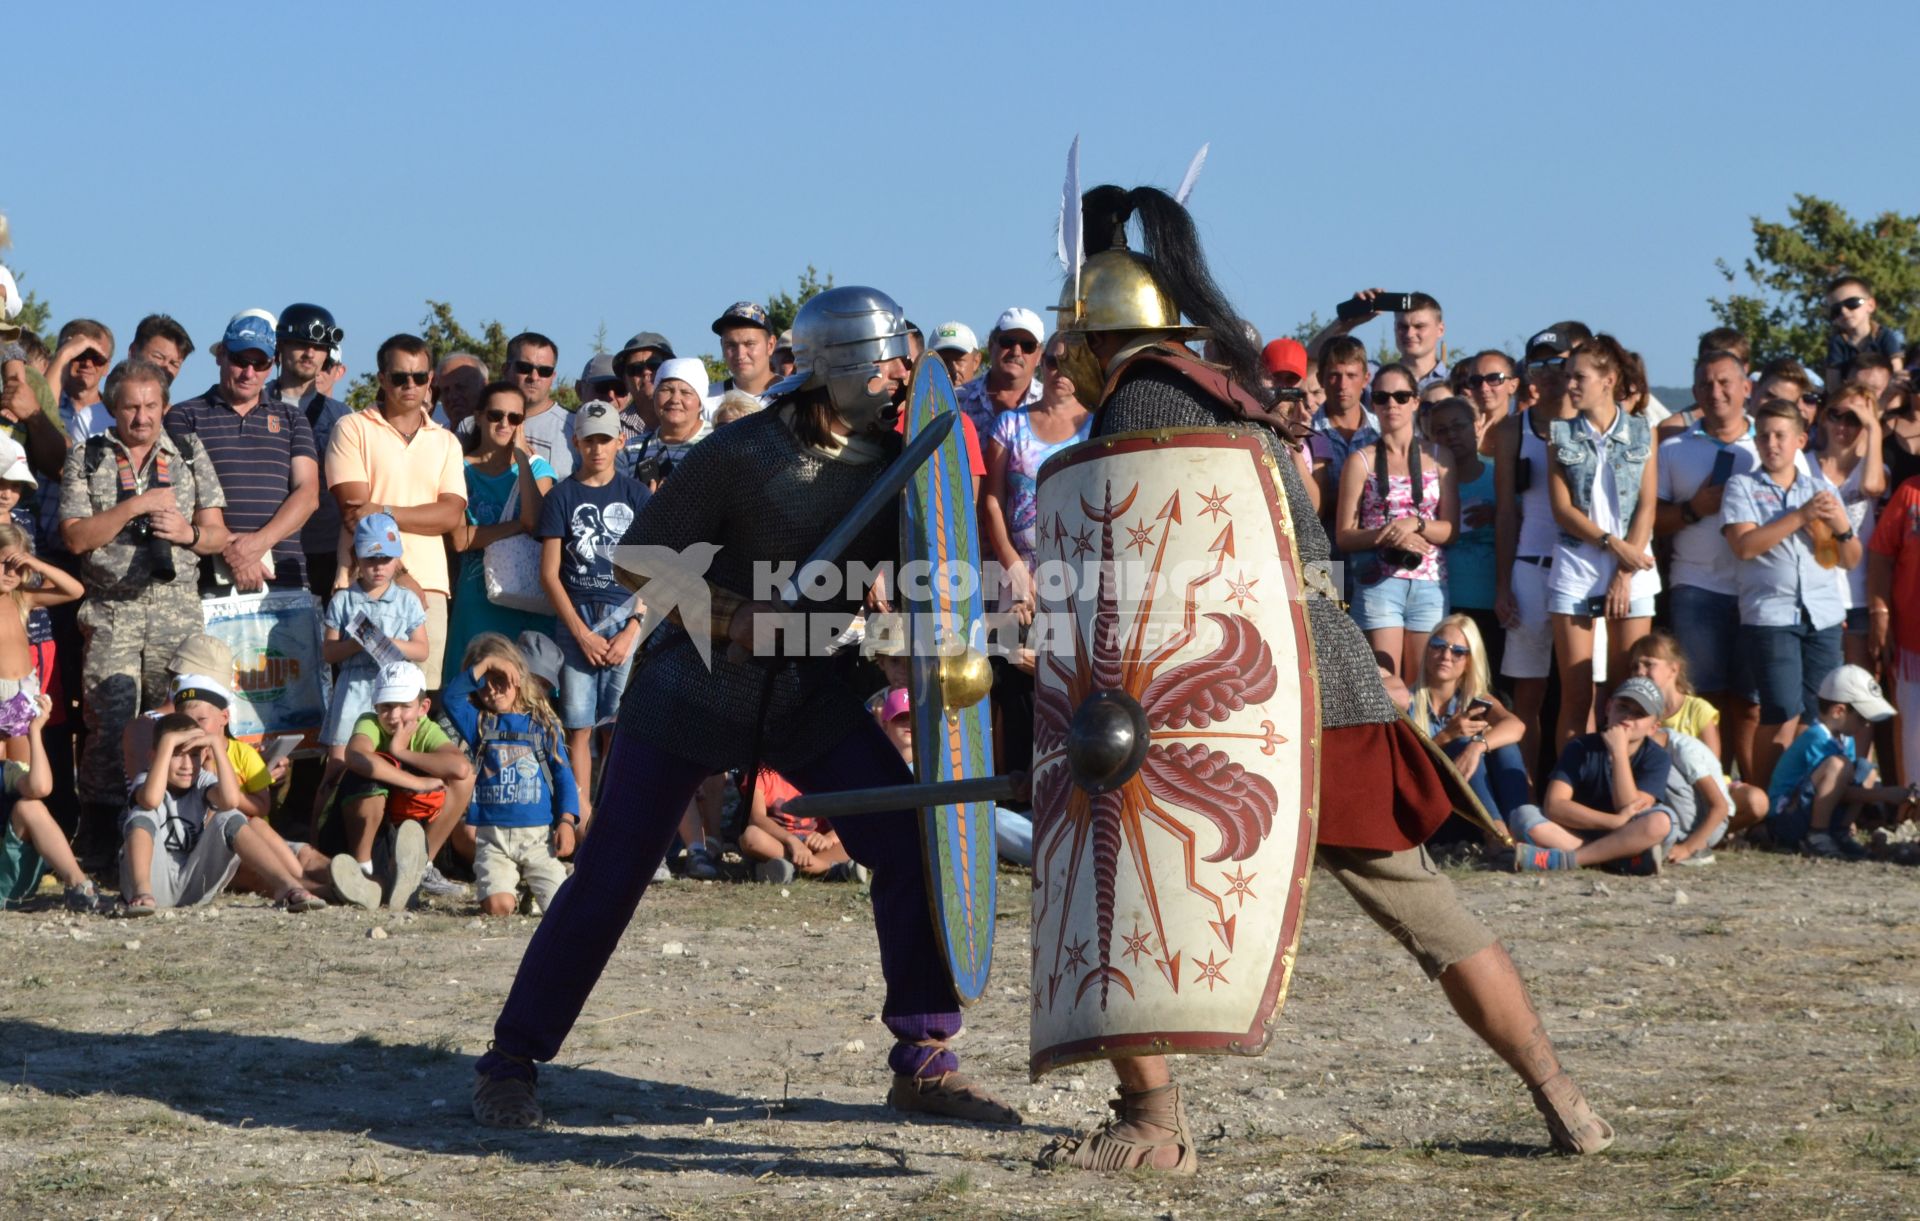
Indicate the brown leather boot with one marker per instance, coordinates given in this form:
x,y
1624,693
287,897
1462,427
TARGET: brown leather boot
x,y
1146,1127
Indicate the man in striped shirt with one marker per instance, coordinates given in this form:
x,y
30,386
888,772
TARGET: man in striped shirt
x,y
263,453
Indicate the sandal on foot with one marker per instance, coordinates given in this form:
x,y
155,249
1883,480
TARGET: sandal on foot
x,y
142,904
1571,1122
300,899
1131,1140
505,1102
949,1095
83,898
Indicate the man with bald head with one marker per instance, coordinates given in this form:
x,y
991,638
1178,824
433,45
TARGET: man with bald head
x,y
457,382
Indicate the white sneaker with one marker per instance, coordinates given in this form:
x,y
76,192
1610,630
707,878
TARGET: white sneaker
x,y
777,872
662,873
409,864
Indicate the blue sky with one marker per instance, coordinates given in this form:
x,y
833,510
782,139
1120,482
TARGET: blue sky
x,y
560,166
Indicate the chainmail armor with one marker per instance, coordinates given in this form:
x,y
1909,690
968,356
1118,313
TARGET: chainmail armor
x,y
1150,396
755,490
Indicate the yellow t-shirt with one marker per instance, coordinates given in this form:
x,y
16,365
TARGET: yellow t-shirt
x,y
1694,715
249,766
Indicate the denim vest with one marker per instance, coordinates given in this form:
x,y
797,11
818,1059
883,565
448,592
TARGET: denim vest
x,y
1627,452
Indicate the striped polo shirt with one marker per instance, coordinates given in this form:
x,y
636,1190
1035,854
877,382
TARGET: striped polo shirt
x,y
253,455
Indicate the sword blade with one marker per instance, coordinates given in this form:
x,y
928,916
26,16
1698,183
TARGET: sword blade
x,y
902,797
890,484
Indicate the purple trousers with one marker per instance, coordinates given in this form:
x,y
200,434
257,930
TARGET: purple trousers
x,y
643,793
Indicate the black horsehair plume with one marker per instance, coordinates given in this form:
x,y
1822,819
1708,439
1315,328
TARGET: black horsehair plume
x,y
1173,246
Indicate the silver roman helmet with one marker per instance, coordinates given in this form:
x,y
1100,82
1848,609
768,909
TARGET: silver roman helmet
x,y
840,339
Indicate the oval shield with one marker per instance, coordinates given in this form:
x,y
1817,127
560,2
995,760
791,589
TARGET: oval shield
x,y
1175,746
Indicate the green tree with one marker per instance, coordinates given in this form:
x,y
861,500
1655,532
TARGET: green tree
x,y
1786,313
782,306
36,316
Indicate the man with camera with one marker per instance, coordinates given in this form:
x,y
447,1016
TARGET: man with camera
x,y
139,508
1418,328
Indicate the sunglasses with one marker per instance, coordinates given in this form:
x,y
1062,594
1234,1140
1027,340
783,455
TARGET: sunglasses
x,y
649,366
608,388
1028,346
90,357
527,366
1441,646
1402,397
504,417
1850,303
251,360
1478,380
398,378
1846,419
1547,362
316,332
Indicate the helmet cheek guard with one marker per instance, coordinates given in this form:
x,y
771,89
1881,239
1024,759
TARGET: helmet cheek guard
x,y
841,337
857,389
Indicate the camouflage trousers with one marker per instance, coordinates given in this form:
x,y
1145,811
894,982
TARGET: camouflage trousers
x,y
128,645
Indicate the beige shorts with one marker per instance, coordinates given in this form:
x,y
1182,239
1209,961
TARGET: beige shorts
x,y
1409,897
503,857
436,639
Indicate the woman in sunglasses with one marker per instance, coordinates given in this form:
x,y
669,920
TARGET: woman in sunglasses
x,y
501,472
1397,509
1603,493
1454,704
1853,460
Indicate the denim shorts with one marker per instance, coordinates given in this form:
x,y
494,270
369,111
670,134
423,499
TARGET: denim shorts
x,y
1567,604
1788,664
1402,602
588,695
1707,626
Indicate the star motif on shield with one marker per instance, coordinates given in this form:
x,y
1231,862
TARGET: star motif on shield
x,y
1136,943
1140,537
1210,972
1240,589
1215,503
1083,543
1240,883
1077,954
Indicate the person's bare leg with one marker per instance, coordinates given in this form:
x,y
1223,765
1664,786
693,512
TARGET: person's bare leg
x,y
1385,643
33,822
580,758
266,855
452,813
1487,992
463,840
1768,745
1148,1131
1749,808
1636,837
361,818
1621,636
755,844
1739,726
1413,654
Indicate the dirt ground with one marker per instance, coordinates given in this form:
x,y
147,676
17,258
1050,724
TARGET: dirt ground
x,y
1751,1029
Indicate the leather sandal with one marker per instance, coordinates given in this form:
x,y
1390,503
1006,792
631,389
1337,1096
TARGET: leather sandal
x,y
1571,1122
141,904
951,1096
1143,1125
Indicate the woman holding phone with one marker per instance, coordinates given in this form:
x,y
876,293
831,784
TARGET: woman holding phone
x,y
1397,509
1454,705
1603,489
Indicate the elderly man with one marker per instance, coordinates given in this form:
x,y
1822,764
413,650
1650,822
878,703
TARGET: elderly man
x,y
746,344
396,460
1013,353
457,383
262,450
139,508
958,348
636,362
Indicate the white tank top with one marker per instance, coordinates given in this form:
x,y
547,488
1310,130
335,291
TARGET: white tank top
x,y
1538,533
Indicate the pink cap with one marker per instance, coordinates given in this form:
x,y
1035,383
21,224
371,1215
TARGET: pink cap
x,y
897,704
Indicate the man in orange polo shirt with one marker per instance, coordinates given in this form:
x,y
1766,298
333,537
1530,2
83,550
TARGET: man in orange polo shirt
x,y
394,459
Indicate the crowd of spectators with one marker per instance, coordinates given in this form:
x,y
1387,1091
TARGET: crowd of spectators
x,y
1638,632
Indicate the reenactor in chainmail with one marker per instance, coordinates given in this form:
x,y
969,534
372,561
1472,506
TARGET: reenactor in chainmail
x,y
1373,819
764,491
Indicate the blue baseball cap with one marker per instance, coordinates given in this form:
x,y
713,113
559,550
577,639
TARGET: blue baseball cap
x,y
248,333
377,535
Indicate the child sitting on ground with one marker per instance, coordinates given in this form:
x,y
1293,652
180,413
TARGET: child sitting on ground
x,y
782,844
33,842
1605,798
405,774
1820,783
1687,719
207,699
395,611
29,585
183,838
525,809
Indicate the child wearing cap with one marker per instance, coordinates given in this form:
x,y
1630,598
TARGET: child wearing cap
x,y
1820,783
183,837
394,611
1606,798
406,774
582,520
200,669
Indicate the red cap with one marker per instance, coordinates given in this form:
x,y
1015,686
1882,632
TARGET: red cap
x,y
1285,356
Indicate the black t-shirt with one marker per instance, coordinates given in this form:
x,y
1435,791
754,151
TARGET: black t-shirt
x,y
1587,765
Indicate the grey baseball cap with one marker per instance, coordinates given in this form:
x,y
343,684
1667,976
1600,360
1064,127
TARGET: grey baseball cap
x,y
645,339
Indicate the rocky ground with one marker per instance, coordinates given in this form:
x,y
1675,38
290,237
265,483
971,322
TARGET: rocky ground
x,y
1752,1029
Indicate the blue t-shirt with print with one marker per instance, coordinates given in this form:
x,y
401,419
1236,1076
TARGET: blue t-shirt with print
x,y
523,777
590,522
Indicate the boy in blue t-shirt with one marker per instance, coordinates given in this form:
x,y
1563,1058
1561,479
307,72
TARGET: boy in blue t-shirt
x,y
582,520
1817,785
1605,800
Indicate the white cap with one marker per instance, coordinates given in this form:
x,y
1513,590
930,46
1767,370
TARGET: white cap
x,y
1020,319
400,682
1854,687
201,686
685,369
268,318
10,299
956,337
13,462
